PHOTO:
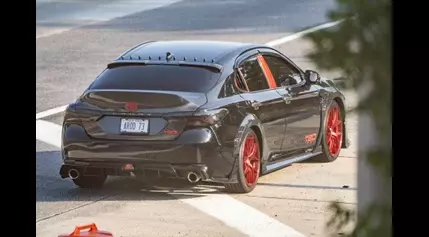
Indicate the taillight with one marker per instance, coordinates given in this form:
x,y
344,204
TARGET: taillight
x,y
206,117
70,116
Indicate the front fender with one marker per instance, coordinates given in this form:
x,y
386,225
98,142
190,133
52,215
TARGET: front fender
x,y
325,104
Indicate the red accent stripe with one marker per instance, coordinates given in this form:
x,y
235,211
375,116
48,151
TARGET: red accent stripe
x,y
267,72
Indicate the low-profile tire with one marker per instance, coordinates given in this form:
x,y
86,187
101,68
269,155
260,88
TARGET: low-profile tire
x,y
249,165
90,182
332,139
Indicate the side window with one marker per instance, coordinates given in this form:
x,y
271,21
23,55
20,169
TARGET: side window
x,y
253,75
230,87
284,73
239,83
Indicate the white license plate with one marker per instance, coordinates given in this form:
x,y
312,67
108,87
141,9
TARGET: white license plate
x,y
134,125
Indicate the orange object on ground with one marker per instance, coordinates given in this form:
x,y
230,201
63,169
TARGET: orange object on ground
x,y
92,232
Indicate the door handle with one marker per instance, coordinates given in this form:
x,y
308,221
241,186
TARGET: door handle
x,y
255,104
323,93
287,98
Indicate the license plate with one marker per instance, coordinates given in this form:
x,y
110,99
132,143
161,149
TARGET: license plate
x,y
134,126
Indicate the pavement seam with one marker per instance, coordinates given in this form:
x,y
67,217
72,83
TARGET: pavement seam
x,y
72,209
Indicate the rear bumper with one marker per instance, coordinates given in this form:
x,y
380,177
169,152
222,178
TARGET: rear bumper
x,y
198,152
143,170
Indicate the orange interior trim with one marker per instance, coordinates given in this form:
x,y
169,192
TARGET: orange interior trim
x,y
267,72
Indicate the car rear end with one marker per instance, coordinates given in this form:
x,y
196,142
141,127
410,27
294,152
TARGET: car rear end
x,y
145,120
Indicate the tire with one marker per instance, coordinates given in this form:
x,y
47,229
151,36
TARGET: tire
x,y
90,182
331,144
249,165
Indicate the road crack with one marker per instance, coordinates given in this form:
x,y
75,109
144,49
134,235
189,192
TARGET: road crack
x,y
72,209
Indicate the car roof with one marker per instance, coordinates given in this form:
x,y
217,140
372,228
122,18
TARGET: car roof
x,y
188,50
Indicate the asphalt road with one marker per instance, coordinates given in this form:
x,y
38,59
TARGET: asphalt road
x,y
71,53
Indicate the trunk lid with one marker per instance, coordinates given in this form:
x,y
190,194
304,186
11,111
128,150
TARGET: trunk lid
x,y
137,114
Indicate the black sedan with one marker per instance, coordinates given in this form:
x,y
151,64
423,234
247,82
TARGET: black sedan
x,y
223,112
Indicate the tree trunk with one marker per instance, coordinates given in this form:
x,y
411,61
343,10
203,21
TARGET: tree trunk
x,y
371,187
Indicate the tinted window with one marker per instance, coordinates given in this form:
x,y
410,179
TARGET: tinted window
x,y
281,69
239,83
157,77
233,85
253,75
228,88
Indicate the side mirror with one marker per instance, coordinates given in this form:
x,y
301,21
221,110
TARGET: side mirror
x,y
312,77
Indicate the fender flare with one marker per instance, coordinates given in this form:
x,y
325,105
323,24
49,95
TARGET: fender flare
x,y
247,123
325,104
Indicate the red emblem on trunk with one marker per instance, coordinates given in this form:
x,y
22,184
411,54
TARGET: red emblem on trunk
x,y
131,106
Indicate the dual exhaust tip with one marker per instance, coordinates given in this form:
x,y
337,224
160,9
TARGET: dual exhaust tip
x,y
74,173
191,177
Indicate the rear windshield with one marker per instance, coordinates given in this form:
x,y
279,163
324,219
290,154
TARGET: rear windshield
x,y
157,77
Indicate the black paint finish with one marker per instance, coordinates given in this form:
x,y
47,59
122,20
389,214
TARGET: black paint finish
x,y
199,130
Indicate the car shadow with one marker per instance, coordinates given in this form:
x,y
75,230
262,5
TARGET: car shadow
x,y
299,199
51,188
314,160
343,187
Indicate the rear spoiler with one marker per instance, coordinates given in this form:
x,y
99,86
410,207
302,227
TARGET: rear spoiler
x,y
125,62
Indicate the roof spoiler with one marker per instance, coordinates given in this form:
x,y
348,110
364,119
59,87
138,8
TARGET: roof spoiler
x,y
123,62
134,47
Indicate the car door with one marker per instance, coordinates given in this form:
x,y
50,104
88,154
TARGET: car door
x,y
301,104
263,101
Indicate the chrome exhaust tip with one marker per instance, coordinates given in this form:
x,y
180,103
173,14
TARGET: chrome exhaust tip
x,y
193,177
74,173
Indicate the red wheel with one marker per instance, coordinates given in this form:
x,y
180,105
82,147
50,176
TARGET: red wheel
x,y
249,165
334,131
333,137
251,159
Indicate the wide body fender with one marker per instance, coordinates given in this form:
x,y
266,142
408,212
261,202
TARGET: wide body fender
x,y
249,122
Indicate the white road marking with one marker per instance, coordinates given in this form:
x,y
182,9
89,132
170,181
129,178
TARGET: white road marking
x,y
50,112
48,132
99,13
271,44
301,33
51,32
222,207
240,216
